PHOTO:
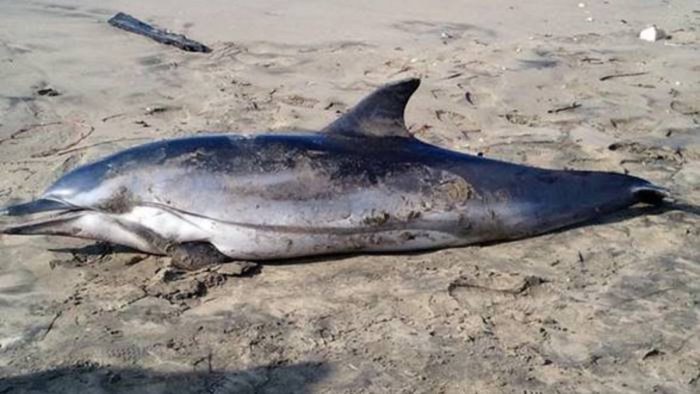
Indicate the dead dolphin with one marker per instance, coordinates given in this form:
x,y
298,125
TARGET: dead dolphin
x,y
362,184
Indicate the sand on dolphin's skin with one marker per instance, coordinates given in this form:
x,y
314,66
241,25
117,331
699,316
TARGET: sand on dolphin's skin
x,y
609,307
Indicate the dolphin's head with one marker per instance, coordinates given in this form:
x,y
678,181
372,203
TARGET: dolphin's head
x,y
66,193
89,183
80,180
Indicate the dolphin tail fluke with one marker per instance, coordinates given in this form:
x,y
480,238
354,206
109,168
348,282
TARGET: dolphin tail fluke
x,y
32,207
652,194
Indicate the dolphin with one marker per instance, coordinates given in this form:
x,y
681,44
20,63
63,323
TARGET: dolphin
x,y
361,184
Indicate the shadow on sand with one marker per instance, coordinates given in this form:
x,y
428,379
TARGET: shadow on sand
x,y
294,378
642,210
96,249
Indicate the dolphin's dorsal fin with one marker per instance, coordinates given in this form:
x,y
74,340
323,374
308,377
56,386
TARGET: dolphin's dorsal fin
x,y
378,115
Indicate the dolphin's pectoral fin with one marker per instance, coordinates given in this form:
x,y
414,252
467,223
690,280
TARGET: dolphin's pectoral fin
x,y
192,256
378,115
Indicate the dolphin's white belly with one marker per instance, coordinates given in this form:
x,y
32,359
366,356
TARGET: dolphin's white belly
x,y
260,242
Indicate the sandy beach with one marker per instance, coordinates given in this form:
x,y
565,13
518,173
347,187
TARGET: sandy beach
x,y
609,307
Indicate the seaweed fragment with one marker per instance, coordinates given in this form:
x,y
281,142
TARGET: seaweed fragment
x,y
131,24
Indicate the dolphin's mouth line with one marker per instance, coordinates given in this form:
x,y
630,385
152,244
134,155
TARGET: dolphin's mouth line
x,y
62,216
40,205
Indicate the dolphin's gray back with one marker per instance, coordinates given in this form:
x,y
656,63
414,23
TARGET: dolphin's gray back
x,y
312,181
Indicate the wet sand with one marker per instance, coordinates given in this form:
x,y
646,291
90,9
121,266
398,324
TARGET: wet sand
x,y
612,306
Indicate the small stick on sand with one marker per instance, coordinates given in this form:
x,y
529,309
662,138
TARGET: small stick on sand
x,y
129,23
605,78
26,129
571,107
53,321
54,151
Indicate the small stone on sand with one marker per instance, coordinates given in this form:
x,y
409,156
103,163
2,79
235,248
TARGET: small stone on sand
x,y
652,34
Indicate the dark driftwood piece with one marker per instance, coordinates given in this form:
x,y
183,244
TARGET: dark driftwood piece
x,y
129,23
605,78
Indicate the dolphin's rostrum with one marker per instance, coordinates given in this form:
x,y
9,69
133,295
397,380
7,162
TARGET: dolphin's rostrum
x,y
362,184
